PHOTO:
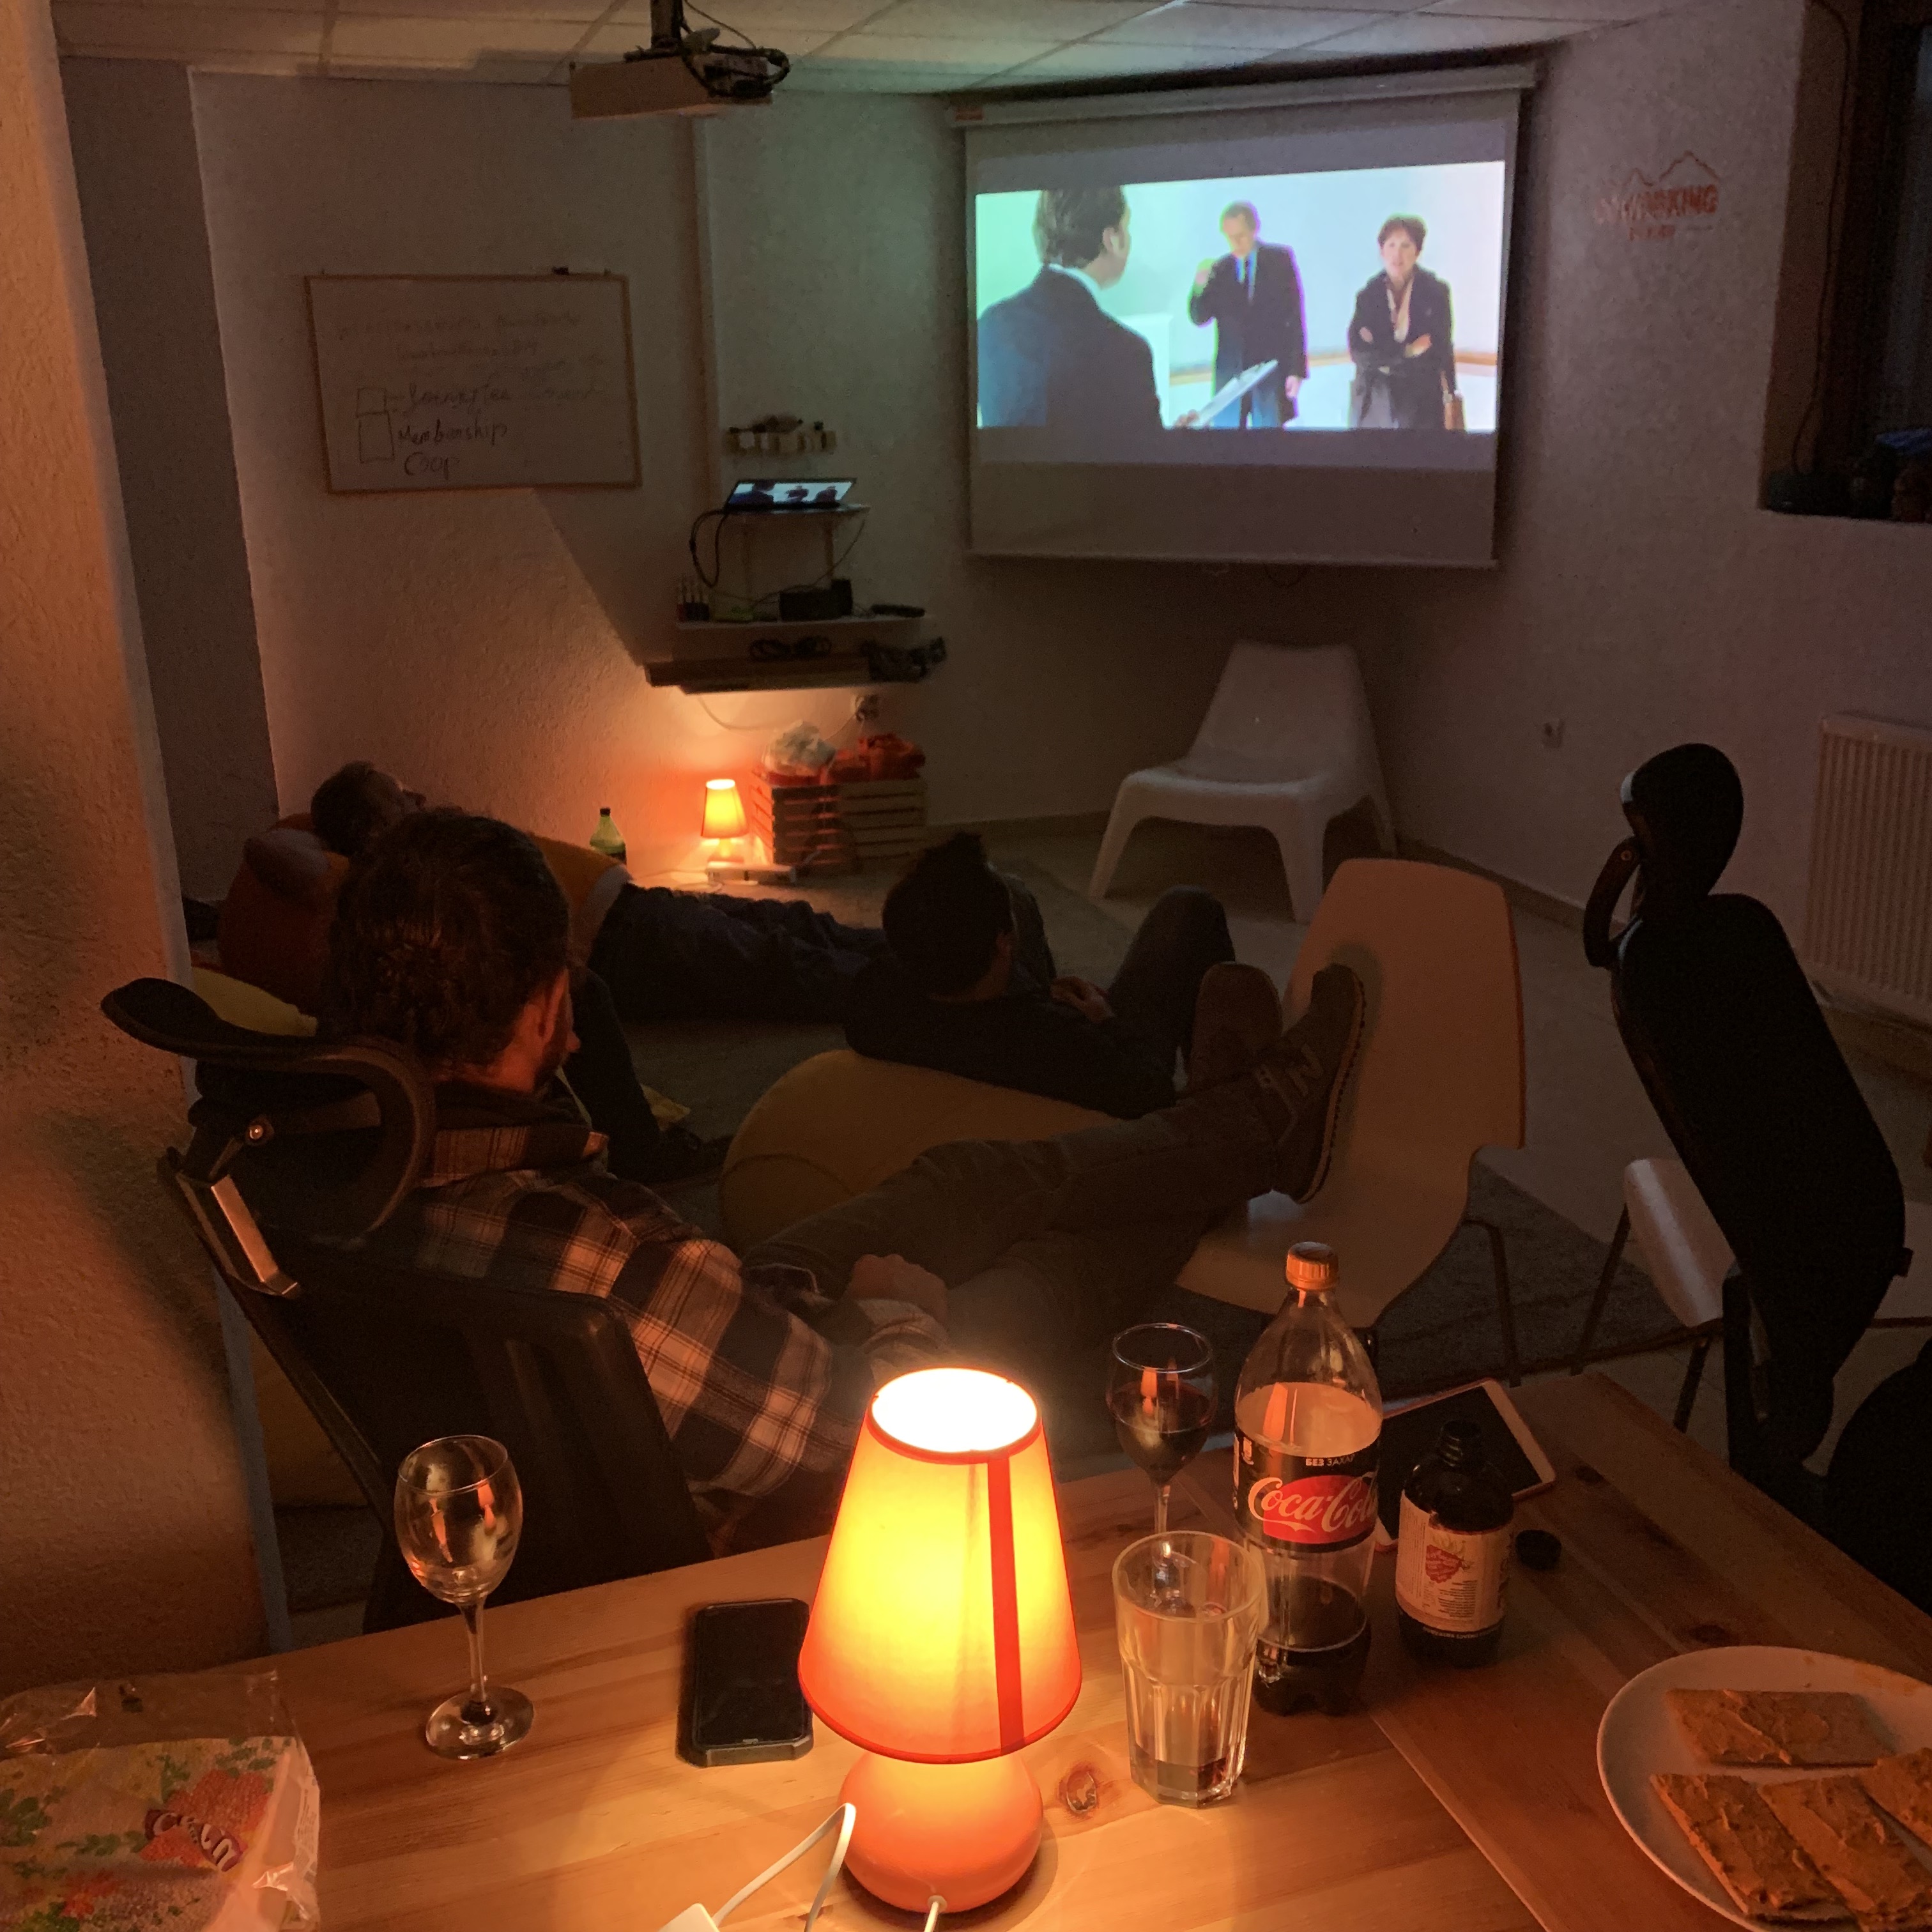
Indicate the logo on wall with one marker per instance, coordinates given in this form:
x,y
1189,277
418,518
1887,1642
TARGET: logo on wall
x,y
1683,200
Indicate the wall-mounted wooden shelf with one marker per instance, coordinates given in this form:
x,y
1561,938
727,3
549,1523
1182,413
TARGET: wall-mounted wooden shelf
x,y
842,670
889,630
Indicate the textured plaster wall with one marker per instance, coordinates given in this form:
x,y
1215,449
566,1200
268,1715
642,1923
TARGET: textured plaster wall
x,y
123,1539
840,296
133,131
486,642
1643,597
482,642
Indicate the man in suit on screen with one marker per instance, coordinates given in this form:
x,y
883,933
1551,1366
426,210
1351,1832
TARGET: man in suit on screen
x,y
1050,358
1252,296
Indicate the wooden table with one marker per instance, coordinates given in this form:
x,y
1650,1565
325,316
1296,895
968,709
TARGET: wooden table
x,y
1456,1800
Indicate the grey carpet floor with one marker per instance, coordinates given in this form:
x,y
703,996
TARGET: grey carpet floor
x,y
1446,1330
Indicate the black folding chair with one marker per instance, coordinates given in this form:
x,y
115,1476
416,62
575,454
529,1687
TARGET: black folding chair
x,y
1728,1040
315,1143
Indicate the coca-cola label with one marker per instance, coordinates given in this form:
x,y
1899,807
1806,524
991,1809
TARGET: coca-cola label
x,y
1313,1502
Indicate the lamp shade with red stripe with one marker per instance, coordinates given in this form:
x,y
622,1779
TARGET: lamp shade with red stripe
x,y
942,1632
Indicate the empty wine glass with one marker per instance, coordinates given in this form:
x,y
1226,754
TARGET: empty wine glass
x,y
459,1512
1160,1388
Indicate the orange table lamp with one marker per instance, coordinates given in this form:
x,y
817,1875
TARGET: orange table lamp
x,y
942,1638
724,809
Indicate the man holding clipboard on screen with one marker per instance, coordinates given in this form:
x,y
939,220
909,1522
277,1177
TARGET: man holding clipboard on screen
x,y
1252,296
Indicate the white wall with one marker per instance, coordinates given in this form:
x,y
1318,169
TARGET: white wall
x,y
484,643
475,641
124,1539
1643,597
132,127
836,226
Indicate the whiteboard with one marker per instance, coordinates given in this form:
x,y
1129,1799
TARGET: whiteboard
x,y
474,382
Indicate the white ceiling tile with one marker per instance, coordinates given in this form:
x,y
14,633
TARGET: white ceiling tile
x,y
608,42
1439,33
1097,60
762,20
1292,7
975,57
582,11
190,7
1581,13
505,72
823,76
460,42
1050,22
1252,29
188,30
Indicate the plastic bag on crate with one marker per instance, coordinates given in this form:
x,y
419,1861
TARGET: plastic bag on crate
x,y
799,755
156,1805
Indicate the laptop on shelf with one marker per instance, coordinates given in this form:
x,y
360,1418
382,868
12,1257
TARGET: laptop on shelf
x,y
777,495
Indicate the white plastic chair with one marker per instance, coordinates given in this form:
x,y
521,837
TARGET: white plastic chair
x,y
1688,1258
1287,744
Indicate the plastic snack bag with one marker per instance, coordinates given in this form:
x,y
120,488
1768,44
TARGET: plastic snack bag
x,y
156,1805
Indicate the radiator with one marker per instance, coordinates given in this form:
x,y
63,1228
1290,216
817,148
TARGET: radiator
x,y
1868,918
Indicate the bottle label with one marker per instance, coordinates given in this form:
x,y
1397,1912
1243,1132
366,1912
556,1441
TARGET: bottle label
x,y
1448,1580
1312,1502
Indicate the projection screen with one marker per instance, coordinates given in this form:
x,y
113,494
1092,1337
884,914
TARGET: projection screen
x,y
1259,324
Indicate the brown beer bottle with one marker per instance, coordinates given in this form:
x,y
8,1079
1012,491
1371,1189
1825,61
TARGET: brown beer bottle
x,y
1452,1561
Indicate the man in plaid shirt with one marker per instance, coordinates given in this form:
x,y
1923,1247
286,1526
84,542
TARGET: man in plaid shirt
x,y
450,937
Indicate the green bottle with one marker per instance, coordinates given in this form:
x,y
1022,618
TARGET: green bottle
x,y
607,839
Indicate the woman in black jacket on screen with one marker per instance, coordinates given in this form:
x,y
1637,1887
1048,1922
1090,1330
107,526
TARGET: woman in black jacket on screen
x,y
1402,338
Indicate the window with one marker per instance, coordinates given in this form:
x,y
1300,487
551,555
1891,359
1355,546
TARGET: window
x,y
1878,374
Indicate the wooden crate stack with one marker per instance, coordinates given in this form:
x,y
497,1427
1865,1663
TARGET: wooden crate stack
x,y
830,825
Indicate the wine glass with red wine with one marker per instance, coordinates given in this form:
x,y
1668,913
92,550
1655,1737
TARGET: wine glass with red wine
x,y
1160,1388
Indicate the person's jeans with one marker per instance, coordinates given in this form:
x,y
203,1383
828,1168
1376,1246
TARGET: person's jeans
x,y
1049,1246
603,1077
1154,992
670,956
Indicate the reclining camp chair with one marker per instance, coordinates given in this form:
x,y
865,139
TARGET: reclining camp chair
x,y
300,1147
1728,1039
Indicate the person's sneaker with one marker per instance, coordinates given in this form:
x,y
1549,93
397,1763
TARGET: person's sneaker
x,y
1301,1077
1237,1016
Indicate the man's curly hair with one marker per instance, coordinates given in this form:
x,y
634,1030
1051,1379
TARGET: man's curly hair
x,y
442,933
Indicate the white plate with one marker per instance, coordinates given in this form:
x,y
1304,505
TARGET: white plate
x,y
1638,1735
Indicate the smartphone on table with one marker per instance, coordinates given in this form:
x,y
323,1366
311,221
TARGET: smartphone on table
x,y
741,1704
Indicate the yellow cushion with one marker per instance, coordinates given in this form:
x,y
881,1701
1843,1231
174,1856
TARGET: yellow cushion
x,y
838,1124
242,1005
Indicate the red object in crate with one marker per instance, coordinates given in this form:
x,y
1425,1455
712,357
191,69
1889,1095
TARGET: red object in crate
x,y
884,755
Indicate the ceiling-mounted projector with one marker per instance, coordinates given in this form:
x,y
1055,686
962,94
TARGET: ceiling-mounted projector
x,y
679,73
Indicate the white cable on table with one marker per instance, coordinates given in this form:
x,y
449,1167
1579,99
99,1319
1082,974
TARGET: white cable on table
x,y
844,1818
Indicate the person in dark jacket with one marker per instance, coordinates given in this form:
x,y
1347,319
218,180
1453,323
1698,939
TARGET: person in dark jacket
x,y
971,988
1402,338
1050,358
1252,296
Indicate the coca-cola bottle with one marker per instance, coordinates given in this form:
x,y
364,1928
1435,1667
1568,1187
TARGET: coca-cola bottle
x,y
1452,1561
1308,1425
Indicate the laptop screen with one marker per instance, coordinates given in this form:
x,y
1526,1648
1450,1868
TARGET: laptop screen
x,y
810,493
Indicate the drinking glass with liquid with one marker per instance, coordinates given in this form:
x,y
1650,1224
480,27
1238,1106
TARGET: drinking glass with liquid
x,y
1187,1608
1160,1389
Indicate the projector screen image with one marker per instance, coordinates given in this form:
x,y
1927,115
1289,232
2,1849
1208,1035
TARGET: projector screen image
x,y
1276,335
1250,304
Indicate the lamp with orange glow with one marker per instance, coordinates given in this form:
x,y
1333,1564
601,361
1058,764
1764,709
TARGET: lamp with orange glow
x,y
724,809
724,822
942,1640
